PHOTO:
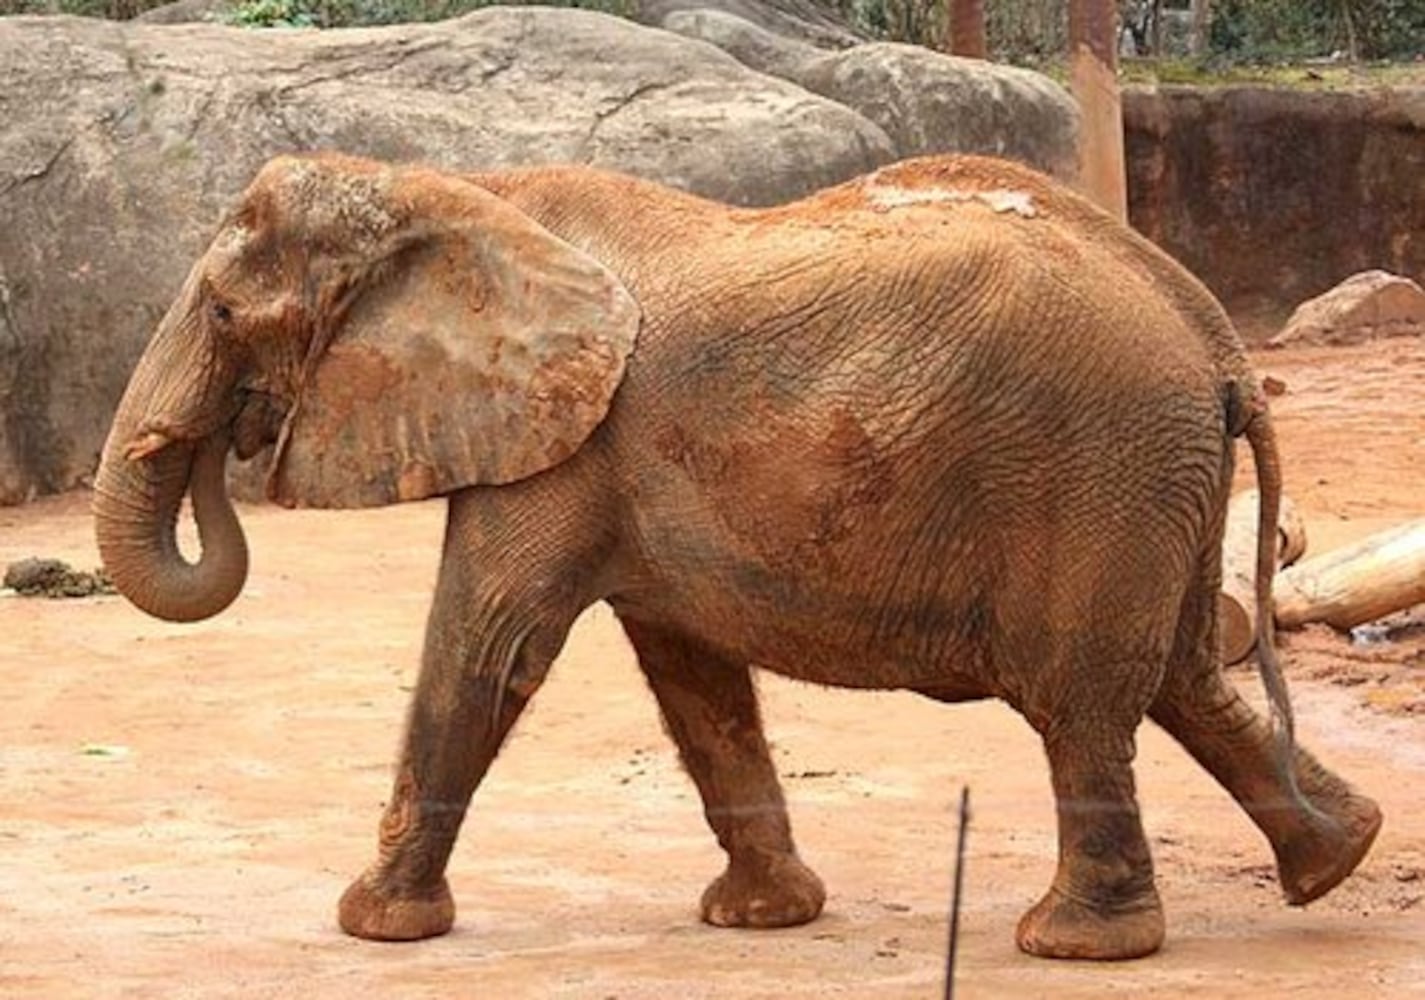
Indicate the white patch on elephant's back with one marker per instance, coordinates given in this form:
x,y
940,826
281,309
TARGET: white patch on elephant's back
x,y
232,239
887,197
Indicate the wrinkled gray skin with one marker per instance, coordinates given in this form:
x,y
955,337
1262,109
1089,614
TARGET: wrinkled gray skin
x,y
945,428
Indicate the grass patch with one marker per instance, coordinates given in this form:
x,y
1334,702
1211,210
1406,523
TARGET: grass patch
x,y
1294,76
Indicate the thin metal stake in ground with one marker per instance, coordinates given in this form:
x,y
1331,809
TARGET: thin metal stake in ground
x,y
955,893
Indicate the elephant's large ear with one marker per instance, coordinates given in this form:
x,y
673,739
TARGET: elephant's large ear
x,y
481,351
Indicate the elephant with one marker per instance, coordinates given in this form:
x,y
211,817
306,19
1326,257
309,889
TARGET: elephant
x,y
944,428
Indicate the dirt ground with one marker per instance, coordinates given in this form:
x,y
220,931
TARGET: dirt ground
x,y
182,806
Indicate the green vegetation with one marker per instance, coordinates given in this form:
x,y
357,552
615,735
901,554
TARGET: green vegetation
x,y
1276,30
1034,32
1221,73
274,14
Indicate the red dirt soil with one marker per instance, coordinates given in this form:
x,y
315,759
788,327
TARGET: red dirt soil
x,y
236,770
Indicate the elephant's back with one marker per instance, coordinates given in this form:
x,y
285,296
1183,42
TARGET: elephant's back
x,y
779,334
1038,208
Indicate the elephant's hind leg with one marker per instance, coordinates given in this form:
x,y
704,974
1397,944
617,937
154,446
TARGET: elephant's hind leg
x,y
710,709
1318,842
1089,696
1102,903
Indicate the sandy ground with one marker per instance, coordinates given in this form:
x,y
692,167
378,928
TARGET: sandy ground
x,y
180,807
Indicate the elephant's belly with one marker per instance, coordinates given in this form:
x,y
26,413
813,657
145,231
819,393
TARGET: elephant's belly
x,y
953,689
936,647
795,577
948,682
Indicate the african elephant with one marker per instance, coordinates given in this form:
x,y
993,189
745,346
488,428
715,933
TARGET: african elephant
x,y
944,428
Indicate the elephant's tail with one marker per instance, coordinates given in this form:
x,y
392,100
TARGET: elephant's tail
x,y
1262,438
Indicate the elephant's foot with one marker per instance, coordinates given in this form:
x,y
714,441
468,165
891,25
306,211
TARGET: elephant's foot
x,y
764,891
1062,927
1315,862
366,911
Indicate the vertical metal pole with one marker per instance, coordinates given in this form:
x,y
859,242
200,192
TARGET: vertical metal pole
x,y
955,893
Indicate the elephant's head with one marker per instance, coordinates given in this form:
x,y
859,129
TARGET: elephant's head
x,y
397,333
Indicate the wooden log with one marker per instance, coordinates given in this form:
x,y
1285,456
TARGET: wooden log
x,y
1357,583
1237,603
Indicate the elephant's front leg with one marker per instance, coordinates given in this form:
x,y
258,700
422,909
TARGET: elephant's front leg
x,y
487,650
710,708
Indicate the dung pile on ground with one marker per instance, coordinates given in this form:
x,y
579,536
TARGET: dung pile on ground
x,y
55,578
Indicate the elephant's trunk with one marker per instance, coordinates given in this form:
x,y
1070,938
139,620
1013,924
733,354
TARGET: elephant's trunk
x,y
136,502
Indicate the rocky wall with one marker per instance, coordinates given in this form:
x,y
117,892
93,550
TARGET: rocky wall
x,y
1272,196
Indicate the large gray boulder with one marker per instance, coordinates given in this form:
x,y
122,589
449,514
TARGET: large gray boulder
x,y
750,44
926,101
187,12
122,143
929,102
801,20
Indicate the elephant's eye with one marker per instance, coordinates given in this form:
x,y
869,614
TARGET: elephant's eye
x,y
221,312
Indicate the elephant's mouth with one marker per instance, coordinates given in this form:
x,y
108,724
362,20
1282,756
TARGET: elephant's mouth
x,y
258,423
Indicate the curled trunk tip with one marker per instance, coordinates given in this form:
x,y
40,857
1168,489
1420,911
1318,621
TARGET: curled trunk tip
x,y
136,514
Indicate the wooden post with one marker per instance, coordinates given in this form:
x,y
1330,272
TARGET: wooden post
x,y
1237,602
967,29
1358,583
1093,78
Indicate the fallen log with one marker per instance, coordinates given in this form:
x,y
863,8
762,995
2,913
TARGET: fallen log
x,y
1349,586
1237,602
